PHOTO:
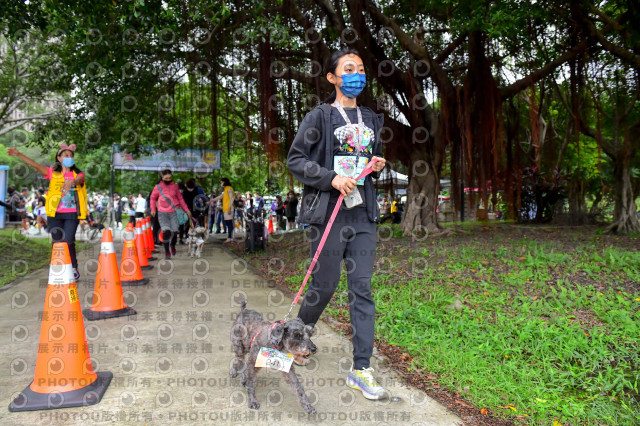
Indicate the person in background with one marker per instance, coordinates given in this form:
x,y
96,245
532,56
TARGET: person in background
x,y
220,226
184,228
117,209
24,194
212,211
280,217
228,211
67,200
132,209
248,202
40,213
239,206
141,206
258,205
195,198
155,222
16,205
291,211
40,195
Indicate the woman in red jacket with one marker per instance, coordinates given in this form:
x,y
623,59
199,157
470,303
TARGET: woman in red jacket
x,y
165,198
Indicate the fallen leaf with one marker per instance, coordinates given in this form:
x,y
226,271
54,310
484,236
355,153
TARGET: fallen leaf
x,y
484,411
464,404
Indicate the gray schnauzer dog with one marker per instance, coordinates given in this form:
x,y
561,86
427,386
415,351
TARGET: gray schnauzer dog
x,y
250,332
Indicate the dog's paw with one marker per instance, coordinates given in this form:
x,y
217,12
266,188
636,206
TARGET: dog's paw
x,y
255,405
233,373
310,409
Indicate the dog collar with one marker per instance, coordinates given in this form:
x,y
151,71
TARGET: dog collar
x,y
259,331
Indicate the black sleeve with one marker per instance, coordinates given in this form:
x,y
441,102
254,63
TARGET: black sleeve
x,y
306,149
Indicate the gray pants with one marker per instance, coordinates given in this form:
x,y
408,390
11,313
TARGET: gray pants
x,y
352,238
168,221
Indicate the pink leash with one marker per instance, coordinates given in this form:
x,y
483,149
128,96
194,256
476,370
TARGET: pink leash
x,y
364,173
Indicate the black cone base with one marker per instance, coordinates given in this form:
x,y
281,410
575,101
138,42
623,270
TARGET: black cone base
x,y
147,267
143,281
97,315
152,258
29,400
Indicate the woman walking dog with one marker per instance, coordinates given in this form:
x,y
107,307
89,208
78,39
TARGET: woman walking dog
x,y
166,199
333,145
66,203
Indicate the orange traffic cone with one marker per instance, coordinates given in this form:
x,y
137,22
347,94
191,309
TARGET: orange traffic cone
x,y
64,375
108,301
130,273
270,226
148,238
141,247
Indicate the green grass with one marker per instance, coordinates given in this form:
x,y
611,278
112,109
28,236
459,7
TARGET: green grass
x,y
549,328
20,255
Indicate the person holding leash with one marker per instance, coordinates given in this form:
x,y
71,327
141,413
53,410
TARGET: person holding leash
x,y
66,202
333,145
165,199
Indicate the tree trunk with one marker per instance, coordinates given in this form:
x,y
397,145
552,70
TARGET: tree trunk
x,y
577,203
624,216
422,195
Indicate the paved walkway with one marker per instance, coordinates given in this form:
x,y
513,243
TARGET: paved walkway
x,y
171,361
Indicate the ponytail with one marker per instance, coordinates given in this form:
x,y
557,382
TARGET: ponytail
x,y
331,98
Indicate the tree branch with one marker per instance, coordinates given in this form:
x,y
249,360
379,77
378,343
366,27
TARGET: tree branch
x,y
450,48
438,74
540,73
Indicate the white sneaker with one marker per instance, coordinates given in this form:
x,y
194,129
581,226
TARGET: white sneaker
x,y
363,380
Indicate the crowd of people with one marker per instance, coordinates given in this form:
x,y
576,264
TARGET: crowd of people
x,y
208,210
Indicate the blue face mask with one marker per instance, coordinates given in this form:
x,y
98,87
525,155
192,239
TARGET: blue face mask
x,y
352,84
68,162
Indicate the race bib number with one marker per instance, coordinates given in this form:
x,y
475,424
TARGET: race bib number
x,y
274,359
345,165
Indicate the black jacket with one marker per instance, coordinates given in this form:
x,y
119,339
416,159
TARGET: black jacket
x,y
310,160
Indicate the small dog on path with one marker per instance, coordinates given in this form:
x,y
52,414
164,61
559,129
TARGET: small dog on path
x,y
196,239
250,332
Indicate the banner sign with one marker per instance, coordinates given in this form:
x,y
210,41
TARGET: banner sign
x,y
155,159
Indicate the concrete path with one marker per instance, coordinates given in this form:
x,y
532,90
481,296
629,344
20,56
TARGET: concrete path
x,y
171,361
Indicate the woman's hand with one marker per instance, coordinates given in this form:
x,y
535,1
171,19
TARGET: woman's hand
x,y
12,151
68,184
379,165
343,184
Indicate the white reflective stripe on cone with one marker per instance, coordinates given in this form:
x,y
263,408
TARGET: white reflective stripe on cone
x,y
107,248
128,236
63,274
138,230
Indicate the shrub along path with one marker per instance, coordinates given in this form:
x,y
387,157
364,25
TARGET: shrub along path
x,y
501,323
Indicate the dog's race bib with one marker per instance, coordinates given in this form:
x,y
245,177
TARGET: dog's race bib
x,y
274,359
